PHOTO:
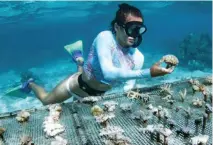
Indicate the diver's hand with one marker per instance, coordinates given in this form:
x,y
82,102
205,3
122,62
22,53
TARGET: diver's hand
x,y
157,70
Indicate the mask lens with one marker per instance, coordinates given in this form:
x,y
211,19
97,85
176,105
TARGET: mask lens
x,y
134,29
142,30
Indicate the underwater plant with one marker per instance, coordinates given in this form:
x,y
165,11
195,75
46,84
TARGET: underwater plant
x,y
195,51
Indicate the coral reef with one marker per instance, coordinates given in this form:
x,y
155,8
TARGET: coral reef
x,y
195,51
208,80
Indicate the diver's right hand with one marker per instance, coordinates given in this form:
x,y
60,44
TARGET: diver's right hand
x,y
156,70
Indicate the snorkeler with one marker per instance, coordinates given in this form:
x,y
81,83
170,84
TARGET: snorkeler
x,y
113,57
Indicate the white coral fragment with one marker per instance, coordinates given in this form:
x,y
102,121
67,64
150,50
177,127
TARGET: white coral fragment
x,y
156,128
109,106
104,117
51,123
152,109
52,128
59,141
197,102
151,128
114,135
126,106
111,130
22,116
200,139
90,99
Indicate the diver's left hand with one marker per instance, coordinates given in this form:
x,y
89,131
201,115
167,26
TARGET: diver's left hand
x,y
157,70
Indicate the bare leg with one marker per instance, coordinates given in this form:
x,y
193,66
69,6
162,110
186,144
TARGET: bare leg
x,y
39,91
60,93
57,95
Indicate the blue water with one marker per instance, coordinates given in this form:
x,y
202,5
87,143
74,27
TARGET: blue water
x,y
32,36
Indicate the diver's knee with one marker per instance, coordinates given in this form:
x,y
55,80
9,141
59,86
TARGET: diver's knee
x,y
46,100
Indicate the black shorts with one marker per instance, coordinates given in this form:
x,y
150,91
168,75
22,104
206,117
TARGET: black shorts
x,y
86,88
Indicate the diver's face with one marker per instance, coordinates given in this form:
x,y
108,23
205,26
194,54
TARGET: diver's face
x,y
121,36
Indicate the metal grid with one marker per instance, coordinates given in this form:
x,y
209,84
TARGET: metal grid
x,y
82,129
131,126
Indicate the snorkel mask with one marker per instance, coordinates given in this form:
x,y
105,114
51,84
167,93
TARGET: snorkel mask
x,y
134,29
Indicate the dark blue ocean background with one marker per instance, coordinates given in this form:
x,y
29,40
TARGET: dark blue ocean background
x,y
33,35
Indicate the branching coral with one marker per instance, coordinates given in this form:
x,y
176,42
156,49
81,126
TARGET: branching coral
x,y
166,90
182,94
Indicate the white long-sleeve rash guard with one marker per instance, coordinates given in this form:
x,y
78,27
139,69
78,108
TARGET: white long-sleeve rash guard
x,y
107,62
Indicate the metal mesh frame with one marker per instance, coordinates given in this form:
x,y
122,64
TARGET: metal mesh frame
x,y
82,129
